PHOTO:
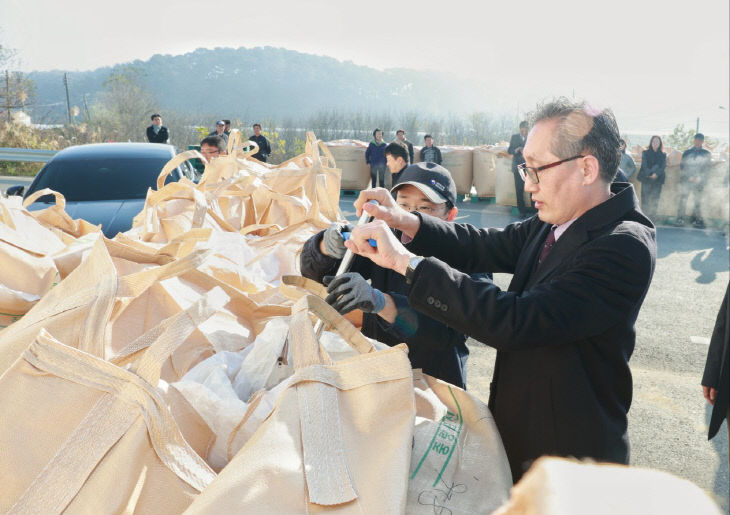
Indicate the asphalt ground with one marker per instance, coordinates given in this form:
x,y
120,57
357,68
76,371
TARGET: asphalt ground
x,y
669,418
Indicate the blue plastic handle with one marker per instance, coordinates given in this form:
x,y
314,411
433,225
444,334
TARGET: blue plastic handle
x,y
372,242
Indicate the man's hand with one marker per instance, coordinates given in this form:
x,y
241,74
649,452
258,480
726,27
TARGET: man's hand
x,y
387,210
388,252
333,243
351,291
710,394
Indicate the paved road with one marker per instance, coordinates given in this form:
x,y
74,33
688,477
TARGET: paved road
x,y
668,419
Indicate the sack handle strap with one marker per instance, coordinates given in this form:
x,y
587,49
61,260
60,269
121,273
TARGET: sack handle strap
x,y
323,450
174,163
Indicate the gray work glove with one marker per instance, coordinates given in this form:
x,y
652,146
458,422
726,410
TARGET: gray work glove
x,y
334,243
350,291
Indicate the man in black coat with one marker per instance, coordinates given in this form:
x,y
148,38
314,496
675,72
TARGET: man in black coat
x,y
716,379
400,137
694,170
157,133
263,143
564,330
516,144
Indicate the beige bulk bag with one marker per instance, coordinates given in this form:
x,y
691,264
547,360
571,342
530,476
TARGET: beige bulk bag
x,y
485,171
339,438
557,486
715,195
416,154
458,464
349,155
505,180
89,437
458,160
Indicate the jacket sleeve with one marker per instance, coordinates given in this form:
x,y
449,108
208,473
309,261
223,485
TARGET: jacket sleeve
x,y
630,165
417,329
644,169
438,156
470,249
600,290
410,153
368,153
661,167
315,265
513,144
719,345
267,146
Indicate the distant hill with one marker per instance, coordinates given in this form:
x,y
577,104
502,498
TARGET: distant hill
x,y
266,81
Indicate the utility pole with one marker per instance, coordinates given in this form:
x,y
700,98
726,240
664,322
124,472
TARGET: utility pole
x,y
697,127
68,101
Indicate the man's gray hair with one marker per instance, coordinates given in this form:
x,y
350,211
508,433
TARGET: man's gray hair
x,y
583,130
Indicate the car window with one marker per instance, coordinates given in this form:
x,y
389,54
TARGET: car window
x,y
102,178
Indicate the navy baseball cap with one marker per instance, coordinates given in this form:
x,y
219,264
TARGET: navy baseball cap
x,y
432,180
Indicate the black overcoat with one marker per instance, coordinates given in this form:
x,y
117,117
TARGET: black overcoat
x,y
564,330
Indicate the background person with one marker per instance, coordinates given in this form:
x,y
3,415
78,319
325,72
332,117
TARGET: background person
x,y
694,169
227,127
436,348
213,146
375,158
627,165
263,143
564,330
516,145
396,158
430,153
400,137
220,127
716,378
157,133
651,175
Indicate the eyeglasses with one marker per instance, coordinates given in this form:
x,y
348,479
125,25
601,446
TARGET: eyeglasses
x,y
428,210
210,153
531,171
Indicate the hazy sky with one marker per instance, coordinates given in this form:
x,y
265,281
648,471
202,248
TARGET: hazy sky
x,y
656,63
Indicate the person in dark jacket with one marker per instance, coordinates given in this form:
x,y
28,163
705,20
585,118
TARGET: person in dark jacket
x,y
220,130
434,347
375,158
564,330
627,165
263,143
157,133
516,144
651,175
400,137
716,378
694,169
396,157
430,153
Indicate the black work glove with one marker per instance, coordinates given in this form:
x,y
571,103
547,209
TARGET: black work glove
x,y
350,291
334,242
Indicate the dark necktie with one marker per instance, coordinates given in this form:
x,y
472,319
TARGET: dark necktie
x,y
548,246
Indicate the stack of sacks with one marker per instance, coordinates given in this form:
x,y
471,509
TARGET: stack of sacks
x,y
176,350
37,249
555,486
350,157
669,199
458,160
505,180
485,170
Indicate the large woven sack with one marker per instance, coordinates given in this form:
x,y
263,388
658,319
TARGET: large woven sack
x,y
505,180
458,463
557,486
27,268
338,439
459,161
416,154
81,310
349,154
90,437
485,171
57,219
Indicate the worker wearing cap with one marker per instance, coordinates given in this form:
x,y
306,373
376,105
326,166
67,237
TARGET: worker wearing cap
x,y
220,130
386,315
